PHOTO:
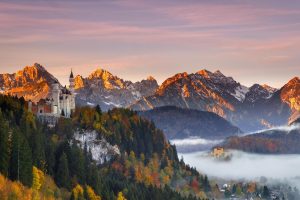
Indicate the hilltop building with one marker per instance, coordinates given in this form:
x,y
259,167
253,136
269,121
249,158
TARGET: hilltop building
x,y
61,101
218,152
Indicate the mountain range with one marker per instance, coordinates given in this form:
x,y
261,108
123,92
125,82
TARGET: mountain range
x,y
107,90
256,107
249,108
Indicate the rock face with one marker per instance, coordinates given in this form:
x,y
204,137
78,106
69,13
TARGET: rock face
x,y
100,149
290,94
257,92
107,90
253,108
33,82
203,90
179,123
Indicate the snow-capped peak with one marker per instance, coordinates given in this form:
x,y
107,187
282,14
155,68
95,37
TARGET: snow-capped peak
x,y
269,88
240,92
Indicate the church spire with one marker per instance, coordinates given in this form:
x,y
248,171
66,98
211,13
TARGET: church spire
x,y
71,75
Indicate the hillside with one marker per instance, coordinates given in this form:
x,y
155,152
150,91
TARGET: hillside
x,y
274,141
179,123
142,164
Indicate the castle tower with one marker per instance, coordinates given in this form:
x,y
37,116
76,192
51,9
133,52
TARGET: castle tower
x,y
72,90
72,82
55,97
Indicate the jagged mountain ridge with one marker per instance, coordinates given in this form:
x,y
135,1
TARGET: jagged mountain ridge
x,y
107,90
253,108
32,82
203,90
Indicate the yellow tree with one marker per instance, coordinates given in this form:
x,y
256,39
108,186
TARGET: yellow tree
x,y
121,196
77,193
91,194
38,178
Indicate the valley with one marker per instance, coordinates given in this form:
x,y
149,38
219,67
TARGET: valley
x,y
149,100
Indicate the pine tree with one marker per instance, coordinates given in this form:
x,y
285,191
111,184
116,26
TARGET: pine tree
x,y
94,178
206,184
25,163
266,192
77,163
62,175
50,158
4,148
21,159
98,110
38,150
15,155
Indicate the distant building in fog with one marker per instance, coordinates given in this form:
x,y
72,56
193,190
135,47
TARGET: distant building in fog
x,y
218,152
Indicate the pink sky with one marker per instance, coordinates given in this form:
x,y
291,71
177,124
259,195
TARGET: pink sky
x,y
252,41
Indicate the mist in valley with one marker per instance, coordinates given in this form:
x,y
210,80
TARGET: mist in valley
x,y
247,166
283,168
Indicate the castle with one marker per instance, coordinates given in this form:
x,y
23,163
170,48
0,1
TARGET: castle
x,y
61,101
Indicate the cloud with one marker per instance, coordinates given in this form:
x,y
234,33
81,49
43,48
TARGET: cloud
x,y
285,129
194,141
167,35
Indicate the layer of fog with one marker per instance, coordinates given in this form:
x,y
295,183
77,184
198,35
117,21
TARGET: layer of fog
x,y
285,129
193,144
247,166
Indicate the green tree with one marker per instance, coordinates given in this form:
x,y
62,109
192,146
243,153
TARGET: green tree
x,y
98,109
25,163
76,161
38,150
4,146
266,192
62,174
21,159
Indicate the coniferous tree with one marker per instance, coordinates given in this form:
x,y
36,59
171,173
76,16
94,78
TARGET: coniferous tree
x,y
62,174
266,192
4,146
15,155
98,109
21,159
25,162
76,160
206,184
50,157
38,150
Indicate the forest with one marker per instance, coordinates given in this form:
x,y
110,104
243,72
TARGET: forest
x,y
44,163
